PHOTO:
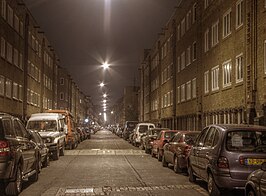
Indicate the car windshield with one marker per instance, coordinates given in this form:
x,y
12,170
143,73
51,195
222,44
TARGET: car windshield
x,y
143,128
246,141
191,137
155,132
44,125
168,135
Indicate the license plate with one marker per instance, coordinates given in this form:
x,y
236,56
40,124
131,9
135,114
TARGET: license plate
x,y
255,161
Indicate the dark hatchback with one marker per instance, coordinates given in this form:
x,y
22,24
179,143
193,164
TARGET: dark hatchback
x,y
224,155
19,158
177,150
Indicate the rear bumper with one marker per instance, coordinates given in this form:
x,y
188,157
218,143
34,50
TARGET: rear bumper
x,y
6,170
227,182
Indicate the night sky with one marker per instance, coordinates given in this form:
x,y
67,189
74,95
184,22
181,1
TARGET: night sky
x,y
86,33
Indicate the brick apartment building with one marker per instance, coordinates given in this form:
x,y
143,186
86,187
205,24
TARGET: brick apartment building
x,y
207,66
31,77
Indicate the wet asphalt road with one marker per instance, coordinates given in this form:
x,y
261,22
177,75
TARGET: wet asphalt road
x,y
108,165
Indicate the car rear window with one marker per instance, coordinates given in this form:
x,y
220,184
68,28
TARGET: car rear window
x,y
143,128
246,141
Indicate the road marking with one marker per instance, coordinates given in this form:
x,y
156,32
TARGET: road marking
x,y
106,190
105,152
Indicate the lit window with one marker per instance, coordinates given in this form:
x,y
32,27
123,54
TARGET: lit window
x,y
206,40
215,33
239,68
215,78
227,23
239,13
206,82
227,70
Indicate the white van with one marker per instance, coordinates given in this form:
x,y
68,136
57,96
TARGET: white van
x,y
51,127
139,131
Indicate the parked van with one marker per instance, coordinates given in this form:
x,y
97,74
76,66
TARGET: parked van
x,y
51,128
140,130
71,133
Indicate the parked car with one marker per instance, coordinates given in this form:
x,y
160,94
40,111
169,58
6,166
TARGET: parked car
x,y
128,129
19,158
149,137
43,149
224,155
82,135
162,138
176,151
51,128
139,131
256,185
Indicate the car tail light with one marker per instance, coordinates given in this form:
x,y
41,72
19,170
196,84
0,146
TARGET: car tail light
x,y
242,160
223,162
4,148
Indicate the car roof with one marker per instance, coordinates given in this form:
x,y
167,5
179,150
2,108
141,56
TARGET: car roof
x,y
226,127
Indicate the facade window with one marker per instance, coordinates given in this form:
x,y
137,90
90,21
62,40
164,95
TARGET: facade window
x,y
3,9
9,52
2,85
215,33
206,40
62,81
21,28
183,92
265,56
16,57
206,82
16,23
178,94
227,71
239,13
62,97
206,3
20,93
188,24
239,68
194,51
188,55
10,15
183,27
8,88
194,88
183,60
178,32
3,47
15,90
227,23
171,97
194,13
188,90
179,64
215,78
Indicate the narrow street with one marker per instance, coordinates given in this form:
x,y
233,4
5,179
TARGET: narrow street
x,y
109,165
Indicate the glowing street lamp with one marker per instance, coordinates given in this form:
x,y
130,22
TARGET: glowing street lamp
x,y
104,95
105,65
101,84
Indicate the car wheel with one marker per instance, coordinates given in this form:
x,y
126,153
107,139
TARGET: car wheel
x,y
212,187
62,150
250,192
46,161
164,163
159,156
191,176
177,169
56,154
14,188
